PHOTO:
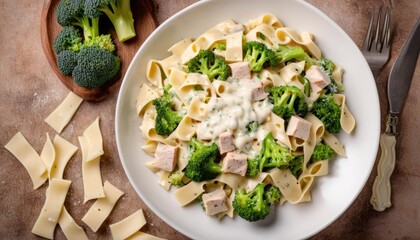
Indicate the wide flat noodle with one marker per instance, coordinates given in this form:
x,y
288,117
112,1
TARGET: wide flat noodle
x,y
347,120
267,18
94,140
128,226
143,236
48,155
64,151
189,192
62,115
334,143
71,230
102,207
286,36
91,174
29,158
146,95
50,213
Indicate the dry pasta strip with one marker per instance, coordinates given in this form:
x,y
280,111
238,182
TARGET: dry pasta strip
x,y
128,226
102,207
48,155
91,174
94,140
29,158
50,213
62,115
143,236
64,150
71,230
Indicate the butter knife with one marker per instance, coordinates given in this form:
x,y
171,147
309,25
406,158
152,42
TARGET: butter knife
x,y
399,82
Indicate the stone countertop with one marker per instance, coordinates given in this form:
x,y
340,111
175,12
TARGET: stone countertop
x,y
29,91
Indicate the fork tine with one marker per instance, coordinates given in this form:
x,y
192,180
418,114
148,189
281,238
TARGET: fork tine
x,y
368,38
378,38
387,28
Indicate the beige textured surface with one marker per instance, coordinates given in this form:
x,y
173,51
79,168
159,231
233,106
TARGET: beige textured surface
x,y
29,91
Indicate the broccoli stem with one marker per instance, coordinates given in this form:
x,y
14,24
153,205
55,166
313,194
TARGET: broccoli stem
x,y
122,19
90,27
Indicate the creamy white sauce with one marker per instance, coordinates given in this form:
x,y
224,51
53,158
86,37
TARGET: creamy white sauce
x,y
233,111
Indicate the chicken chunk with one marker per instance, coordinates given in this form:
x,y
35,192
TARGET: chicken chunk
x,y
317,77
235,163
215,202
240,70
165,157
299,128
225,142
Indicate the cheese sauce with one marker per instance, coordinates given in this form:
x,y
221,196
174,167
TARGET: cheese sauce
x,y
232,111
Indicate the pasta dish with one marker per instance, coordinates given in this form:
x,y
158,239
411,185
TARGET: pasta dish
x,y
243,117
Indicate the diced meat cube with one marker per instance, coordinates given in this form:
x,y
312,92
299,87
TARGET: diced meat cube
x,y
235,163
258,93
226,142
165,157
318,78
215,202
240,70
299,128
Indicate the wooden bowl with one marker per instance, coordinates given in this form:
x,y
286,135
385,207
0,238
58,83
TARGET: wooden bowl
x,y
144,23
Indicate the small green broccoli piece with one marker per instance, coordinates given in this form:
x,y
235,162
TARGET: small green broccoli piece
x,y
259,56
272,194
95,66
296,165
67,61
207,63
288,101
271,155
71,13
202,164
102,41
252,126
221,46
176,178
167,120
321,152
328,66
285,54
67,39
255,204
118,11
329,112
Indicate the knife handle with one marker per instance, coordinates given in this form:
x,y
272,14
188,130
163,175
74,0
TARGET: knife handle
x,y
381,191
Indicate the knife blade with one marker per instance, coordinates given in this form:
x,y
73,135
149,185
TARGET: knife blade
x,y
399,82
402,71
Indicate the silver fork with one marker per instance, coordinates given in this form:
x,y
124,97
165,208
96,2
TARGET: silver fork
x,y
376,46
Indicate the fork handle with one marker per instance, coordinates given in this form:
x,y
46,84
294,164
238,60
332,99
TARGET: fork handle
x,y
381,191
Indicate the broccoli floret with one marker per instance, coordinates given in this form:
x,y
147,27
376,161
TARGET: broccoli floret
x,y
321,152
296,165
202,164
67,61
329,112
167,120
285,54
271,155
207,63
255,205
71,13
101,41
67,39
221,46
175,178
118,11
259,56
95,66
288,101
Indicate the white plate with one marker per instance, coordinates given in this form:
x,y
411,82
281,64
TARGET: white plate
x,y
331,195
